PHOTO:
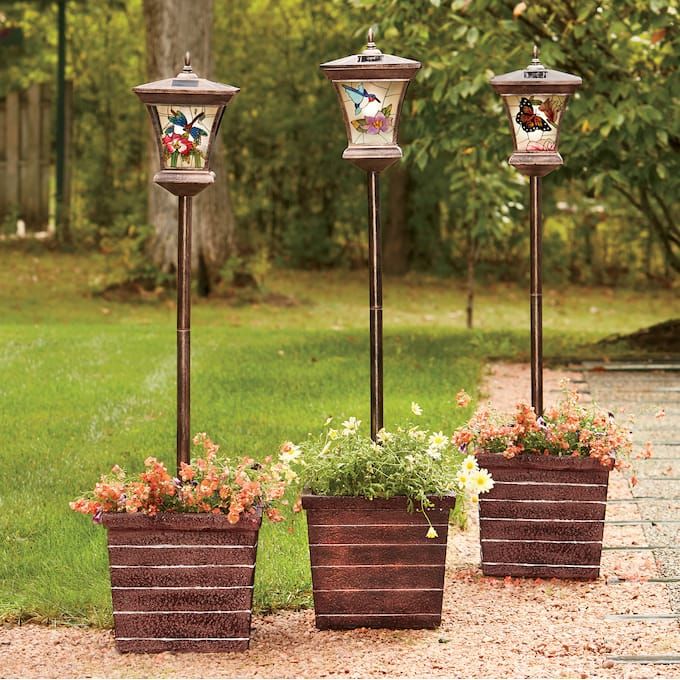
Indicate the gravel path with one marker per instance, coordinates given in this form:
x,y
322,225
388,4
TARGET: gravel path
x,y
491,627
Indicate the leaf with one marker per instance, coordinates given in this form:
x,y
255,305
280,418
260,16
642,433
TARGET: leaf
x,y
658,35
387,110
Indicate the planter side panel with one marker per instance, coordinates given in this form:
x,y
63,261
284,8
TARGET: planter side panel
x,y
374,567
544,518
181,585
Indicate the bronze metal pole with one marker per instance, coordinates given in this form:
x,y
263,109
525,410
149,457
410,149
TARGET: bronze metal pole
x,y
375,301
183,329
536,296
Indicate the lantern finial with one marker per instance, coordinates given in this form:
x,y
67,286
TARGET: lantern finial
x,y
187,63
370,52
535,64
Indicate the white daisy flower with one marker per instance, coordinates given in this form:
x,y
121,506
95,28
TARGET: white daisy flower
x,y
415,409
469,464
480,481
350,426
438,440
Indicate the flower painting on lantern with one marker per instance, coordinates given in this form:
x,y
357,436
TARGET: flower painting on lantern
x,y
370,108
536,122
185,135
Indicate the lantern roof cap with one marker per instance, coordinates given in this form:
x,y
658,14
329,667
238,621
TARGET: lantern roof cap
x,y
536,78
185,86
370,63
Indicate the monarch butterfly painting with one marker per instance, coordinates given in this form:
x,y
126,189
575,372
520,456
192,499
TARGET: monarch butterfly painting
x,y
529,120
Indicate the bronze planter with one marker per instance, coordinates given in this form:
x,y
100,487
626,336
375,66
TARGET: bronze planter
x,y
544,518
181,582
372,565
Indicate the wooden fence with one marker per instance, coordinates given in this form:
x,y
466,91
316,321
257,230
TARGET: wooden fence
x,y
25,148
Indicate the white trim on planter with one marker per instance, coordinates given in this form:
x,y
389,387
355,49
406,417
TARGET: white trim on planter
x,y
170,545
527,519
187,611
517,500
377,566
181,587
532,564
180,566
545,483
532,540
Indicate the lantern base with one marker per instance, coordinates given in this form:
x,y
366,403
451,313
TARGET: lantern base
x,y
184,182
535,164
373,158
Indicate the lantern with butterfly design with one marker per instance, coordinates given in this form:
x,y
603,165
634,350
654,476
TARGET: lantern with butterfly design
x,y
535,99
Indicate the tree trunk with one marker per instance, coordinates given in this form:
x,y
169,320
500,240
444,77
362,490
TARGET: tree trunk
x,y
396,237
170,32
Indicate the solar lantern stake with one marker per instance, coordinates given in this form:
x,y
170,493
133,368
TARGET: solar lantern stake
x,y
185,112
535,99
371,87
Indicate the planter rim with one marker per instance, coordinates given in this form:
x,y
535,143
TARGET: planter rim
x,y
181,521
312,501
540,462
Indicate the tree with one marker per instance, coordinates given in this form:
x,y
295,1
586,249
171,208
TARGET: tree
x,y
170,32
621,135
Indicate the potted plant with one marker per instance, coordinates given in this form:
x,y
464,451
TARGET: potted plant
x,y
544,517
182,550
377,517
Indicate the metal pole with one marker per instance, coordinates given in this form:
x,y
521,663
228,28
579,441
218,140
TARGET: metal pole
x,y
183,329
536,296
375,301
61,221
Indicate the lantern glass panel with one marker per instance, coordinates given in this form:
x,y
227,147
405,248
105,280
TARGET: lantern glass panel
x,y
185,134
371,108
536,121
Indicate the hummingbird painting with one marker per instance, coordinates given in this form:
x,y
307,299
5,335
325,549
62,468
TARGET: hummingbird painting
x,y
180,126
365,103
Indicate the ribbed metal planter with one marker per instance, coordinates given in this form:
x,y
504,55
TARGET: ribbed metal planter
x,y
544,518
182,582
372,565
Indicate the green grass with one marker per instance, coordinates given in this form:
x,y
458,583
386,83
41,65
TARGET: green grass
x,y
87,383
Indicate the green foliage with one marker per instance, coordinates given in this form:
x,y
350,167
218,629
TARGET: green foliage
x,y
300,204
406,461
620,136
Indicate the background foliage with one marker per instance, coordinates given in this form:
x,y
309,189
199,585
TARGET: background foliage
x,y
611,208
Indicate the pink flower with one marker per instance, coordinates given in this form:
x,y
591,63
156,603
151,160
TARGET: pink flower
x,y
463,399
378,123
541,146
180,143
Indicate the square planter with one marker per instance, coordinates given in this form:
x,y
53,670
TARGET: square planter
x,y
544,518
372,565
181,582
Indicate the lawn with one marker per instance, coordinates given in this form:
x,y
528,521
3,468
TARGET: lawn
x,y
88,382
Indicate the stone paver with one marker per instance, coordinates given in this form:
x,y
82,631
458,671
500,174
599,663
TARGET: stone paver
x,y
643,394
